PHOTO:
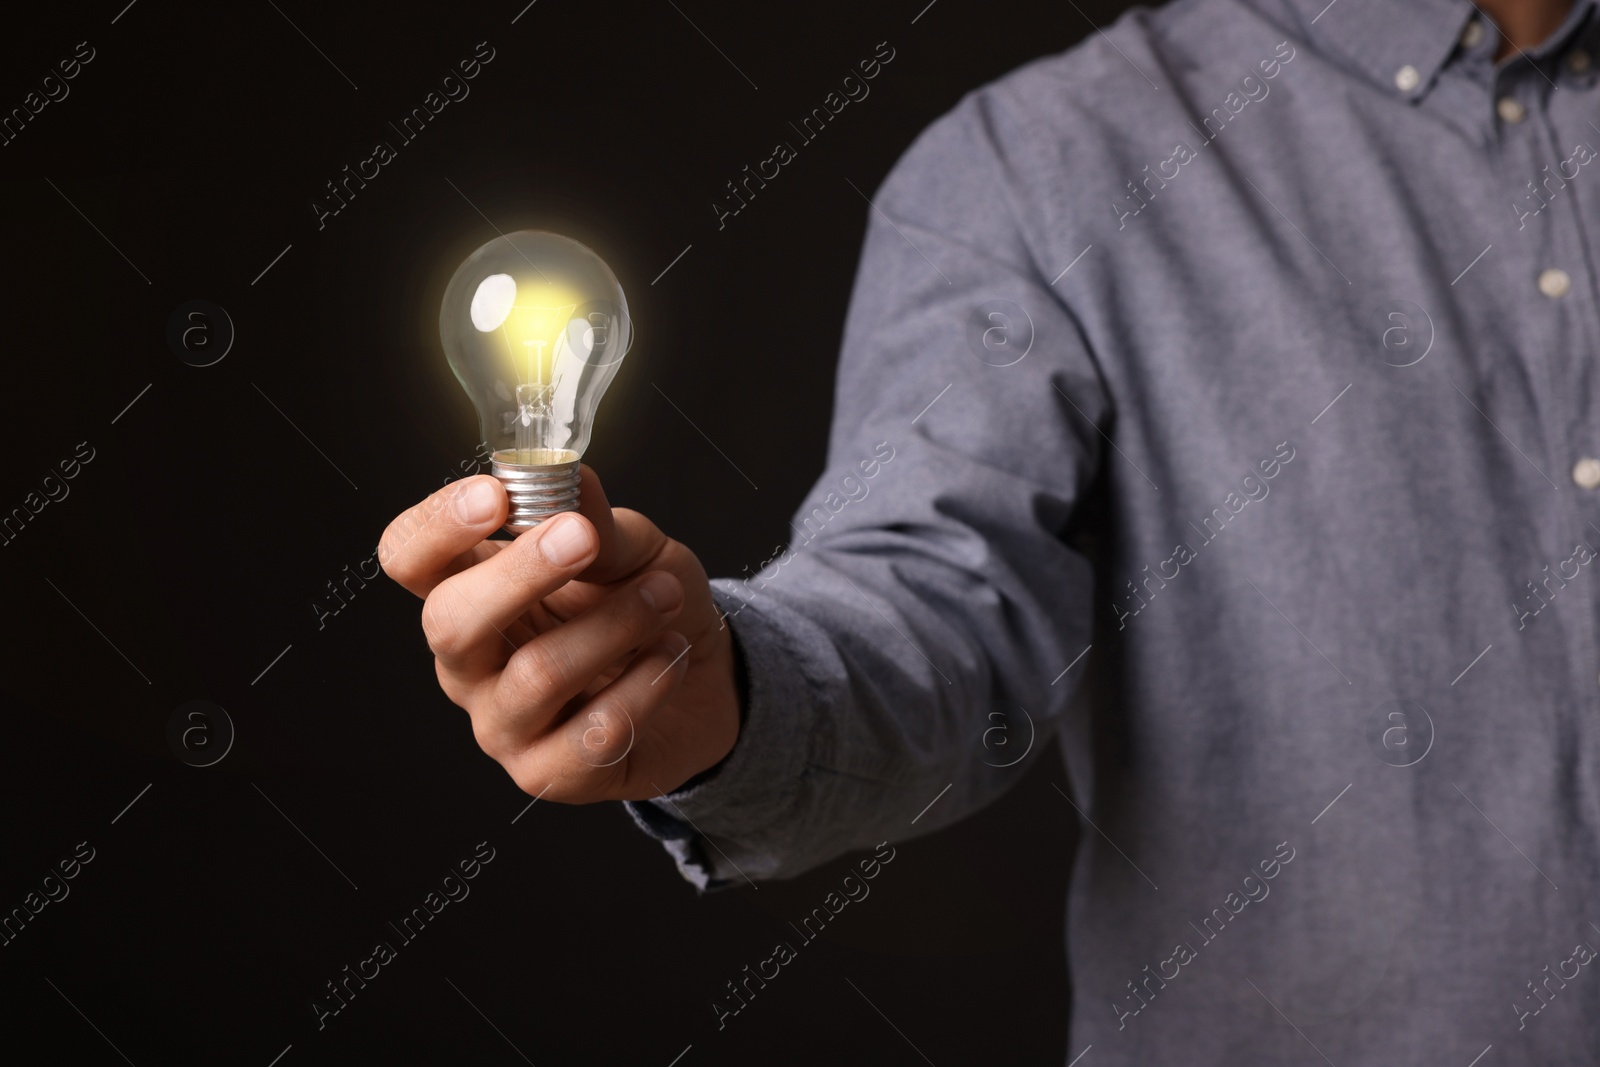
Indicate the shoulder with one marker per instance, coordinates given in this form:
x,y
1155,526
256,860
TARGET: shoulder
x,y
1084,116
1147,66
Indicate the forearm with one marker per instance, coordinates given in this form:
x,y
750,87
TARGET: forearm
x,y
876,657
929,582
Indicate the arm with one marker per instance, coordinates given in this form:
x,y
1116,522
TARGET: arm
x,y
927,582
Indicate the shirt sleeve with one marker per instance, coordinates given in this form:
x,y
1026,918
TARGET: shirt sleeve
x,y
928,596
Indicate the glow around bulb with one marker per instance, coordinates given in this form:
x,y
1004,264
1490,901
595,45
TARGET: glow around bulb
x,y
535,326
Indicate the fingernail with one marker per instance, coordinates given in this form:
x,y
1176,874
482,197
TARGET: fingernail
x,y
563,540
660,591
477,503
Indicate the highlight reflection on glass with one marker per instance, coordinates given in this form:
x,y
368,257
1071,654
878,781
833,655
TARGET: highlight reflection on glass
x,y
535,326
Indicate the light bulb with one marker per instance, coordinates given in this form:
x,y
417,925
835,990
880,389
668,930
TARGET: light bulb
x,y
535,327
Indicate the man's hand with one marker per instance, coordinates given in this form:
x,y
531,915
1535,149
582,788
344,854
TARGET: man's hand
x,y
588,651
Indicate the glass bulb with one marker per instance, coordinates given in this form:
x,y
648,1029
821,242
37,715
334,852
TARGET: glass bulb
x,y
535,327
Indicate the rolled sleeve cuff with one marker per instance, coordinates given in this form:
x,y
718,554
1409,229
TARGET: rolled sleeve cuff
x,y
726,825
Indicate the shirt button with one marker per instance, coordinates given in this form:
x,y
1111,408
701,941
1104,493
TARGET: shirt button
x,y
1554,282
1510,110
1578,61
1407,78
1472,34
1586,472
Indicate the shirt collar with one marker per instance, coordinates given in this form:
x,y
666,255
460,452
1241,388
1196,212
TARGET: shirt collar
x,y
1383,38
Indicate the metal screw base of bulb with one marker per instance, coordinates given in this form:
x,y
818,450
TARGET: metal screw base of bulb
x,y
537,490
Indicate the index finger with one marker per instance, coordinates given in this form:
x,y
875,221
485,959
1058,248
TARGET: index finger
x,y
444,534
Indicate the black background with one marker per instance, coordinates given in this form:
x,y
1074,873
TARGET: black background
x,y
190,550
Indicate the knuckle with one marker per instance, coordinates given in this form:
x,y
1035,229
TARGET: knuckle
x,y
630,622
536,676
441,622
388,550
491,739
396,567
632,517
530,776
396,548
604,729
453,687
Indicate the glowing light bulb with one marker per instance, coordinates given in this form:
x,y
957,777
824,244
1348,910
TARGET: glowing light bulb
x,y
535,327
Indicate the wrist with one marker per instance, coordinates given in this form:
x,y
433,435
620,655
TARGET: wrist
x,y
741,698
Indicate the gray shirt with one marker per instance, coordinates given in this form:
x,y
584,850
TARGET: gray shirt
x,y
1221,397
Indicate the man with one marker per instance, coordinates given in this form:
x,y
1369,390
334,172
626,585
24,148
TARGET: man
x,y
1279,315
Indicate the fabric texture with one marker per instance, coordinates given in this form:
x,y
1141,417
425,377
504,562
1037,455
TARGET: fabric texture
x,y
1215,397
